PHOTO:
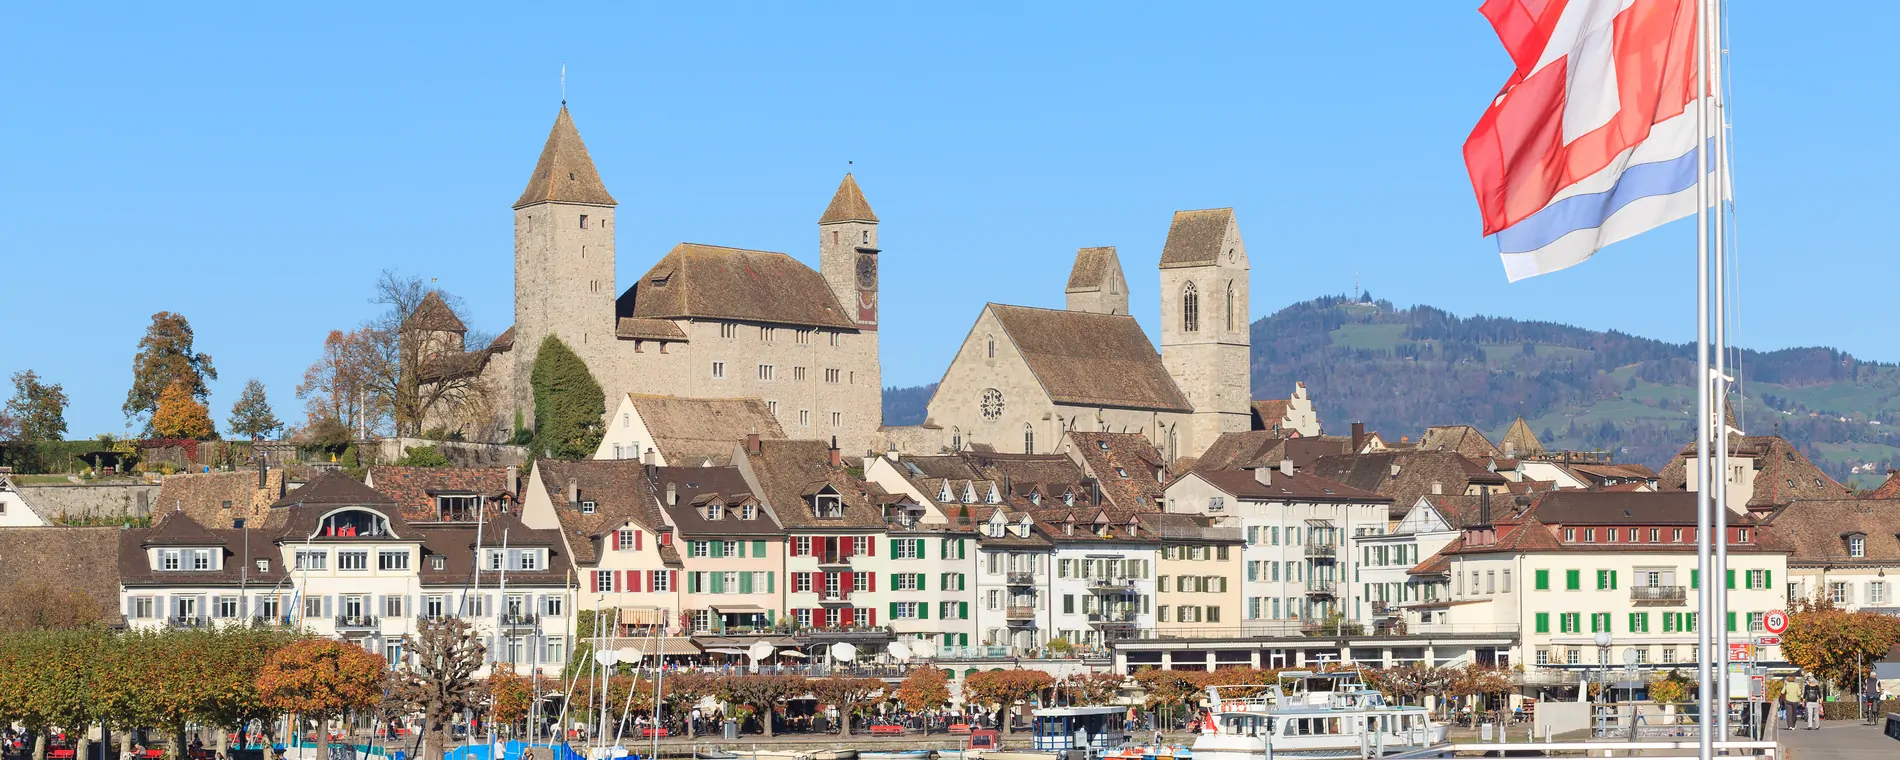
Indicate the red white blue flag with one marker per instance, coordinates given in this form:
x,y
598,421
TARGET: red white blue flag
x,y
1593,138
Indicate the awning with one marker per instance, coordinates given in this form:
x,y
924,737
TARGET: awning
x,y
724,650
672,646
641,616
738,609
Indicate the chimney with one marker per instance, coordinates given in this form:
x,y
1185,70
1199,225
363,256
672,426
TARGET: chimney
x,y
1510,449
672,494
1438,488
513,481
1358,437
837,459
1286,467
1484,508
1395,469
1263,475
573,491
1095,491
263,473
647,457
752,444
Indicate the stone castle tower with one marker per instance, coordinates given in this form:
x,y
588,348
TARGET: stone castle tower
x,y
1205,339
564,260
1096,283
847,253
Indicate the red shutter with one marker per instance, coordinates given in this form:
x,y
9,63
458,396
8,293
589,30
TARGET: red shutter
x,y
639,537
673,580
846,583
593,579
847,616
870,616
614,539
791,546
613,584
870,546
845,546
666,539
870,582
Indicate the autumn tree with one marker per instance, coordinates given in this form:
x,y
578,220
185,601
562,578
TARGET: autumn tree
x,y
336,387
923,689
681,691
509,695
762,693
228,693
46,680
251,416
1669,687
41,606
1003,689
1091,688
851,695
1481,681
179,415
166,356
568,404
321,679
1166,688
415,370
440,681
1834,644
38,409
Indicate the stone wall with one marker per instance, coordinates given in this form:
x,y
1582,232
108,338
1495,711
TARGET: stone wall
x,y
104,501
459,453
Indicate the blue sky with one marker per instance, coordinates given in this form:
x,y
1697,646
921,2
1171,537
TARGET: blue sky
x,y
254,166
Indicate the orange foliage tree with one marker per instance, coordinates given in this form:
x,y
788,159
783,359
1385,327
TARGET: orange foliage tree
x,y
1002,689
181,415
509,695
1834,644
321,679
924,688
851,695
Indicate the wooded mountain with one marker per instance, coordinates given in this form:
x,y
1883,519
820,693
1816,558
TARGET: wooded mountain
x,y
1401,370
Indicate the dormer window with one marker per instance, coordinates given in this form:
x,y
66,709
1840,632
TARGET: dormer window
x,y
1742,536
587,507
201,559
353,523
170,559
992,497
1022,528
1068,528
263,566
748,511
943,494
1068,499
715,511
456,508
438,562
1035,499
1856,545
827,506
1121,471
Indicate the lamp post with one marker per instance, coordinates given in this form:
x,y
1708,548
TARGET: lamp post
x,y
1603,665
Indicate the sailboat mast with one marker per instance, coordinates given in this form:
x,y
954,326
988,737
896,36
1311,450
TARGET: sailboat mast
x,y
1719,282
1704,594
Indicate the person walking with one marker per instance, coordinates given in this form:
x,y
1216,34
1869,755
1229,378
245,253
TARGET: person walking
x,y
1870,699
1811,700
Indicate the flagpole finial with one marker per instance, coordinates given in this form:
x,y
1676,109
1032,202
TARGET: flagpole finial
x,y
563,84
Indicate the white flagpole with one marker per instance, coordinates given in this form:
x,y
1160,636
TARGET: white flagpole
x,y
1719,313
1706,689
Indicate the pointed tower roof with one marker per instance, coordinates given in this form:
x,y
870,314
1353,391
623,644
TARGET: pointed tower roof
x,y
848,205
1091,268
434,314
565,173
1195,237
1520,440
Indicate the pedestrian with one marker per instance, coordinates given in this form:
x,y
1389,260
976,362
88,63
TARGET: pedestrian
x,y
1870,698
1811,699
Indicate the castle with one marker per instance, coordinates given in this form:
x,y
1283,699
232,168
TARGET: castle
x,y
713,322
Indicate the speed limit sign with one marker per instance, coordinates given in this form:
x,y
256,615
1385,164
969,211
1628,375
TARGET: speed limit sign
x,y
1775,621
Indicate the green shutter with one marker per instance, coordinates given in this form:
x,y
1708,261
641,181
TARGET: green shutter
x,y
1603,579
1593,623
771,581
1543,622
923,610
893,553
718,582
893,610
1573,580
768,613
1634,628
692,582
1695,579
1767,579
1731,622
922,580
1731,582
758,548
1543,580
1612,580
745,582
963,613
718,549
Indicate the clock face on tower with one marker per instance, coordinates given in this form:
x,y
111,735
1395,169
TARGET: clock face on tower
x,y
867,270
992,404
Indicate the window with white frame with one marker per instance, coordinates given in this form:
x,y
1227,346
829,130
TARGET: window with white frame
x,y
352,560
659,580
201,559
392,560
1837,592
556,649
311,560
906,581
170,559
227,607
907,610
604,582
908,548
626,539
719,370
392,606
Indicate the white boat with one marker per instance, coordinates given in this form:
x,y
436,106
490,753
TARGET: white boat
x,y
1297,720
898,754
764,754
835,754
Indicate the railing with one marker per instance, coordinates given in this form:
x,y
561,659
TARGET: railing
x,y
1383,608
270,620
186,621
1111,584
1021,579
1547,677
1659,594
1019,613
1298,628
1111,618
1317,550
518,619
834,596
833,558
1320,586
357,621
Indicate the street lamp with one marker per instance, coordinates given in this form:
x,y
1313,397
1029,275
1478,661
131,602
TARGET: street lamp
x,y
1603,665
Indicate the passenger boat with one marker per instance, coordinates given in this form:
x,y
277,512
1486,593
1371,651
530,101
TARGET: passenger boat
x,y
898,754
1150,752
1310,715
835,754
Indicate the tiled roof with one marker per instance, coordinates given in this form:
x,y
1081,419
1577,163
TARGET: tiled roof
x,y
1299,486
1416,472
848,204
1270,412
695,281
433,314
455,543
414,488
1463,439
69,558
619,489
1107,456
692,431
504,341
564,173
1091,266
205,497
1819,529
1240,450
1782,472
1091,359
1890,489
695,487
180,530
1195,237
649,329
135,568
334,488
1535,528
1520,440
791,472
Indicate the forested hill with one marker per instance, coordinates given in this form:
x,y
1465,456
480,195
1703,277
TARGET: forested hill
x,y
1400,370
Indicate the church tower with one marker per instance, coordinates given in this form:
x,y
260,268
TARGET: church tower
x,y
564,260
1205,338
1096,283
847,253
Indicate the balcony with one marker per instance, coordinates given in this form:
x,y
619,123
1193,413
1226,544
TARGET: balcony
x,y
518,620
1319,587
834,597
269,621
357,621
1111,585
1322,551
1659,595
1112,619
1384,608
1021,579
1540,676
832,558
1020,615
186,621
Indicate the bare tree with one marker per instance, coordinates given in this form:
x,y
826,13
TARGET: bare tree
x,y
440,678
415,376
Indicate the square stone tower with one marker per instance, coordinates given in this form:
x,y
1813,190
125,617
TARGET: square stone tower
x,y
1205,340
847,252
564,261
1096,283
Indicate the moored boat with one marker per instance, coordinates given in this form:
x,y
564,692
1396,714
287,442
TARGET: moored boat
x,y
1291,720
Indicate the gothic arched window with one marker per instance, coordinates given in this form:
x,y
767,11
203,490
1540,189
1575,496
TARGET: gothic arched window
x,y
1029,439
1230,304
1190,309
992,340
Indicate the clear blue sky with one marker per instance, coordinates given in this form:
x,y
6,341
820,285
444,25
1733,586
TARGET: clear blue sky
x,y
254,166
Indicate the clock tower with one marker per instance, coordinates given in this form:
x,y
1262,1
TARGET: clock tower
x,y
848,253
